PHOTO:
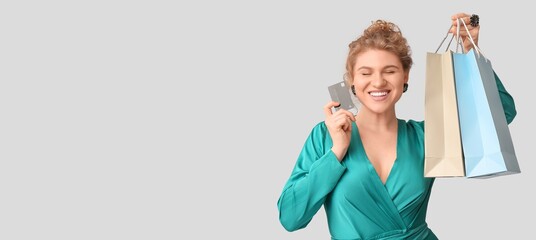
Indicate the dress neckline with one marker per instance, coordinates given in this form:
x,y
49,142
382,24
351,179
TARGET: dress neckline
x,y
371,168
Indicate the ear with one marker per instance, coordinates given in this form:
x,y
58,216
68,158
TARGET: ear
x,y
406,77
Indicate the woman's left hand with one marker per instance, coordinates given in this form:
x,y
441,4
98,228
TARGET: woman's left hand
x,y
467,45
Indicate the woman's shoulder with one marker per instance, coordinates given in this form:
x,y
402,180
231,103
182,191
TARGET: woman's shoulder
x,y
413,124
319,136
319,129
414,129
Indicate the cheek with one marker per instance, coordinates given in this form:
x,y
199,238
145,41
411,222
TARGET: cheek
x,y
395,82
359,83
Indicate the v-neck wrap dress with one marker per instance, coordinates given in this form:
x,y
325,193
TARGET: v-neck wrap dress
x,y
358,204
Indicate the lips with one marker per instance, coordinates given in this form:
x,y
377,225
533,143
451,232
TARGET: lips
x,y
379,95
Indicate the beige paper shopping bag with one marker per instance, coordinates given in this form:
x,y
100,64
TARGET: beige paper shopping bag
x,y
443,155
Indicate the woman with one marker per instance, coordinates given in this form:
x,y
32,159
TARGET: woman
x,y
367,169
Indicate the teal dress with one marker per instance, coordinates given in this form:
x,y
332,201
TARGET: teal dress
x,y
358,204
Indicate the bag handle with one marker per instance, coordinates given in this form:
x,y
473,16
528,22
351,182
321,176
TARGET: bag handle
x,y
477,49
458,38
457,35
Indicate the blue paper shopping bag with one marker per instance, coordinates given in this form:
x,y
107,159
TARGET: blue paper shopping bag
x,y
487,144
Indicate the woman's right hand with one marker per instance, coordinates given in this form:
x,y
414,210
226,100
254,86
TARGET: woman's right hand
x,y
340,128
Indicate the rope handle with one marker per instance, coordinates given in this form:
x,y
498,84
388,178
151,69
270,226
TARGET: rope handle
x,y
458,38
477,49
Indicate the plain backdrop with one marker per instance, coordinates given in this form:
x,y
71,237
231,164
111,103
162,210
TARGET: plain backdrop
x,y
183,119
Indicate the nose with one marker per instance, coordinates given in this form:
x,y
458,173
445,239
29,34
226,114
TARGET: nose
x,y
378,81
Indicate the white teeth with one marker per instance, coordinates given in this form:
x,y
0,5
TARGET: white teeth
x,y
378,94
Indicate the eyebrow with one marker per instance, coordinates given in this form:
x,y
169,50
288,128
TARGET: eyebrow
x,y
388,66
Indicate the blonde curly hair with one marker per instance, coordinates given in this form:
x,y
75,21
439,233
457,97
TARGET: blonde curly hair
x,y
381,35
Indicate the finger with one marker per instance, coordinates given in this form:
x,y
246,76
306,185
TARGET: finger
x,y
343,122
466,20
458,15
463,32
474,34
346,127
348,124
327,108
346,113
472,30
340,117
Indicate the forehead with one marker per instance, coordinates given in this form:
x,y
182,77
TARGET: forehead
x,y
374,58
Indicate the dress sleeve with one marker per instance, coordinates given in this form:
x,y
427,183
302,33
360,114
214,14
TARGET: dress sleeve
x,y
506,100
315,174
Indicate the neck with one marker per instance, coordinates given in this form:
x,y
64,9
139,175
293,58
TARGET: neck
x,y
384,121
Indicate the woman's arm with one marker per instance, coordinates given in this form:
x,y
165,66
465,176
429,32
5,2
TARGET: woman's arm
x,y
506,100
315,175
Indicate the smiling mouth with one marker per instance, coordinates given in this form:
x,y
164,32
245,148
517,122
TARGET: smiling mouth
x,y
379,93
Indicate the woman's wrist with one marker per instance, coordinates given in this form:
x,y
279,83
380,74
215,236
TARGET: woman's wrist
x,y
339,152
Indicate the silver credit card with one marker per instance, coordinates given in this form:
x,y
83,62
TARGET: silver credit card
x,y
341,93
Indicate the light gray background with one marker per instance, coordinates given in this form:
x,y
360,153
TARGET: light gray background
x,y
168,119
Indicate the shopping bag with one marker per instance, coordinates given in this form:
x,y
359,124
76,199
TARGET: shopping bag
x,y
487,144
443,156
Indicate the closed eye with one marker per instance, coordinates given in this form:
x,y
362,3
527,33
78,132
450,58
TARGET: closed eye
x,y
391,69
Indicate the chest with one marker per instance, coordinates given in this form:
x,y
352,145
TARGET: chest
x,y
395,175
361,186
381,150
